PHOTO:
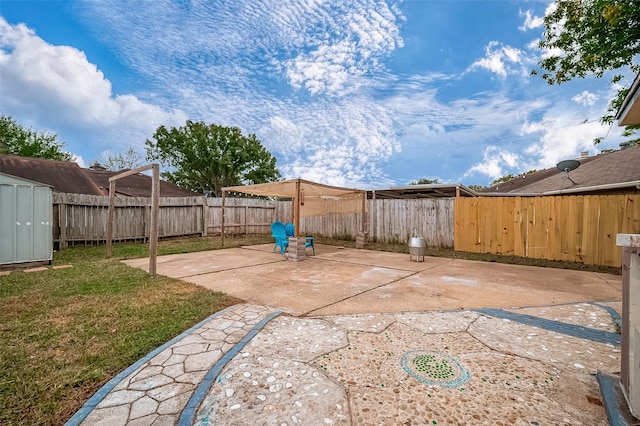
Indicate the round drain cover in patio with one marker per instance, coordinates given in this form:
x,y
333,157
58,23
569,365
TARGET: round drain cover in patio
x,y
434,368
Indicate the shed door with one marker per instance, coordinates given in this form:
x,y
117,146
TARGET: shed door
x,y
25,224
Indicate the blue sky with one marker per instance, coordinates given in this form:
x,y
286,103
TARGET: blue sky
x,y
360,93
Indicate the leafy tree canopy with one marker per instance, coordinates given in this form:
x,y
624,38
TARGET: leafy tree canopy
x,y
423,181
502,179
16,140
210,157
590,37
476,188
510,176
130,159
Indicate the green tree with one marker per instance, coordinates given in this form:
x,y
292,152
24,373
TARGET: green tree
x,y
476,188
590,37
424,181
510,176
210,157
16,140
130,159
502,179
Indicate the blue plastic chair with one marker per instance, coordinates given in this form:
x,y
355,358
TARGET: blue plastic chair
x,y
290,229
278,232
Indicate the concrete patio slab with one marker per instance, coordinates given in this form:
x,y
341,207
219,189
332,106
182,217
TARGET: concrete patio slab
x,y
349,281
298,287
203,262
461,284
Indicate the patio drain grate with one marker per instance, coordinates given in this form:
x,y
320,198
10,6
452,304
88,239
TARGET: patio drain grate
x,y
434,368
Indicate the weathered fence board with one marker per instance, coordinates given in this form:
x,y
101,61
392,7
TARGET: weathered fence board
x,y
242,215
395,221
578,228
82,219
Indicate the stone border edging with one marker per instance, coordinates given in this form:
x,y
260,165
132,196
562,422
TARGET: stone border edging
x,y
88,406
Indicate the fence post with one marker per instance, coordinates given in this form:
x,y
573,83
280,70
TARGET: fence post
x,y
62,222
205,212
246,220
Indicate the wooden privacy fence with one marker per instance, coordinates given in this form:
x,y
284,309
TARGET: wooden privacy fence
x,y
389,221
243,215
578,228
395,221
82,219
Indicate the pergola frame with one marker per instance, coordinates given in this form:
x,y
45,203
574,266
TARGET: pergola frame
x,y
296,195
155,210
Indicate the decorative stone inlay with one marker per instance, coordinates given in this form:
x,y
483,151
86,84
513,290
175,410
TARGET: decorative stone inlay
x,y
151,382
143,407
544,345
301,339
277,391
120,398
434,368
438,322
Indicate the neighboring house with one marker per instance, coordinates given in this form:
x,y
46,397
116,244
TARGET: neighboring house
x,y
616,172
69,177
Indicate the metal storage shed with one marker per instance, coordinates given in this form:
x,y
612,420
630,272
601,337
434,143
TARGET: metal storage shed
x,y
26,220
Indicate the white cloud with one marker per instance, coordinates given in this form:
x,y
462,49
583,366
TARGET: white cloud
x,y
560,137
360,38
531,21
585,98
78,159
495,163
59,83
501,59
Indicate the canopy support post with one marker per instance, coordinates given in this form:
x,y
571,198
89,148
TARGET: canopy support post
x,y
365,219
296,210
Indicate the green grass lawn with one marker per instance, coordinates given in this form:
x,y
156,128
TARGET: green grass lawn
x,y
64,333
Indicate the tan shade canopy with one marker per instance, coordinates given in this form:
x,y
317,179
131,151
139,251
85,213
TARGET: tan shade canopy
x,y
309,198
315,199
287,189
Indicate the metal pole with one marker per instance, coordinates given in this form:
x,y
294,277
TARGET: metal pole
x,y
112,193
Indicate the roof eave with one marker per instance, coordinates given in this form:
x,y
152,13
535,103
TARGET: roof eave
x,y
629,112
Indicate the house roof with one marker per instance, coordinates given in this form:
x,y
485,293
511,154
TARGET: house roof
x,y
603,172
63,176
69,177
137,185
629,112
434,190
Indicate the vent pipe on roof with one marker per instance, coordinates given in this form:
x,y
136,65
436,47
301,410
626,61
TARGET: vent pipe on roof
x,y
97,166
